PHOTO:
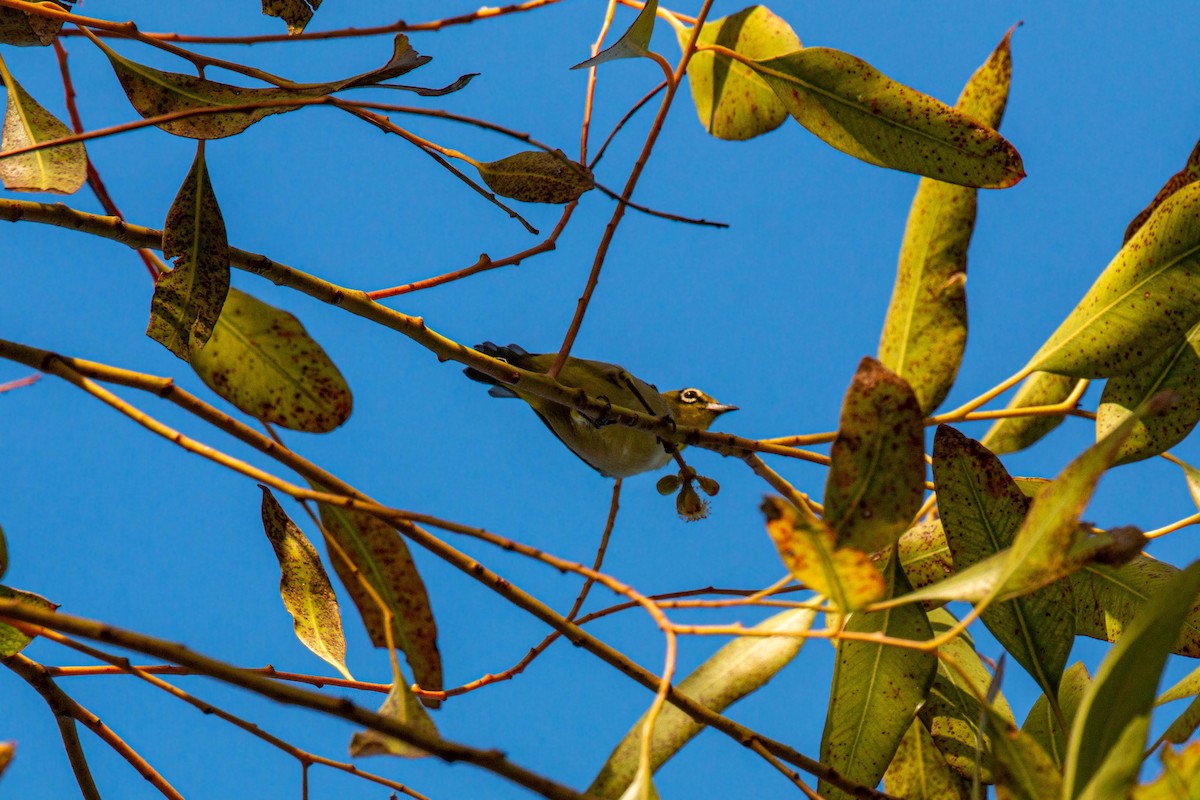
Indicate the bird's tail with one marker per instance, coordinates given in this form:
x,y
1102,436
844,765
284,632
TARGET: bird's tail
x,y
513,354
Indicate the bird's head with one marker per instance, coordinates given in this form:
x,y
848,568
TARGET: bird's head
x,y
695,409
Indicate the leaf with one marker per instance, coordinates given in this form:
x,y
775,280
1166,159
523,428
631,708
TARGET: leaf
x,y
1042,723
296,13
23,29
981,509
742,666
876,691
262,360
925,331
924,553
846,576
378,553
402,706
952,710
1189,174
1183,726
855,108
13,641
535,176
187,300
1105,750
154,92
1021,768
641,788
1108,598
1180,776
1144,302
7,751
733,102
877,473
1016,433
61,169
919,772
634,43
1176,370
305,587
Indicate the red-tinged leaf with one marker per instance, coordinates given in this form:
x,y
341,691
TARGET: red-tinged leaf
x,y
1189,174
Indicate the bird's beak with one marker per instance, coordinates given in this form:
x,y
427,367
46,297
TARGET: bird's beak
x,y
720,408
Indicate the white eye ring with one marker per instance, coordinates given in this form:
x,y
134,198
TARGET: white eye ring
x,y
689,395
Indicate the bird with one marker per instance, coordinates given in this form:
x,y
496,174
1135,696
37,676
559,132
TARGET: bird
x,y
615,451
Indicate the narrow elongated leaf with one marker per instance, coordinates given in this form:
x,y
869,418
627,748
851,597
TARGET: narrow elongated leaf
x,y
379,555
1022,769
1016,433
1143,303
982,508
806,545
920,772
61,169
1182,727
153,92
1106,745
925,331
924,554
1189,174
296,13
634,43
23,29
737,669
952,711
402,706
877,475
304,586
12,641
642,787
1042,723
536,176
263,361
857,109
1176,370
187,300
1180,776
1108,598
404,59
876,691
732,102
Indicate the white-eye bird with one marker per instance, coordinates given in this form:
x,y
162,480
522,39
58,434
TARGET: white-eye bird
x,y
614,451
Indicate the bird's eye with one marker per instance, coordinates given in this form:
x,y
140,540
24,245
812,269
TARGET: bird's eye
x,y
689,395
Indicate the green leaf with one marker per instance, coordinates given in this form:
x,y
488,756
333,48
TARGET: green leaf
x,y
924,553
952,711
877,473
1189,174
536,176
733,103
982,508
806,545
23,29
187,300
12,641
379,555
402,706
1042,723
1176,370
61,169
925,331
1182,727
634,43
1108,598
1105,750
262,360
1180,776
920,772
742,666
1016,433
876,691
1021,768
1144,302
304,587
855,108
296,13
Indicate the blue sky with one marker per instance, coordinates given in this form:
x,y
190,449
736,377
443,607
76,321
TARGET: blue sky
x,y
772,314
